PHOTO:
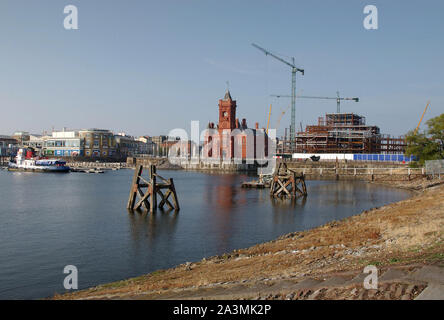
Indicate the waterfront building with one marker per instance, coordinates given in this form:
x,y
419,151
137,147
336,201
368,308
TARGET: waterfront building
x,y
343,133
145,139
64,144
127,146
88,143
21,136
98,143
231,139
161,144
146,146
8,145
158,140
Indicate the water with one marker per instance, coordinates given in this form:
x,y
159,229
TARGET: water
x,y
48,221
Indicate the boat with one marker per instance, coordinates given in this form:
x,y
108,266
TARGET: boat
x,y
263,182
27,161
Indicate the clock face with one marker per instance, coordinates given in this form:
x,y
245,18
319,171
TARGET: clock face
x,y
225,114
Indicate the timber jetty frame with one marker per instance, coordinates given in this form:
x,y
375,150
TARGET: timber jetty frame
x,y
287,183
149,189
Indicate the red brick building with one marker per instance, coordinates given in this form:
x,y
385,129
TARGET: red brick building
x,y
232,139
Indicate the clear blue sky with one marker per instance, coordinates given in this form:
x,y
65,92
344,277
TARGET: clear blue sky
x,y
146,67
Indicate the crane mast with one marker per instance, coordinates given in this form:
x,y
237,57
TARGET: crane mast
x,y
417,128
294,70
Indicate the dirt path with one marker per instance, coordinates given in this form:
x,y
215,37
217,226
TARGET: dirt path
x,y
400,239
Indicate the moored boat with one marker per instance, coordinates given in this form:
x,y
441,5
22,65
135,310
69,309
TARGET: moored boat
x,y
26,161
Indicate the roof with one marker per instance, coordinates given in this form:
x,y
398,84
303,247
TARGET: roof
x,y
227,95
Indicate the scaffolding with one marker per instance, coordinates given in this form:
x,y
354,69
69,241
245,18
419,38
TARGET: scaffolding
x,y
343,133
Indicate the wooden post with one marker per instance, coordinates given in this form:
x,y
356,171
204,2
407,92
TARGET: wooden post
x,y
173,191
153,190
134,187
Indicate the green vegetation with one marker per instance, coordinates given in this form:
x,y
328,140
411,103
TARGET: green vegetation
x,y
427,145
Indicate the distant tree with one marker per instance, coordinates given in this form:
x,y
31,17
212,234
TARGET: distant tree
x,y
428,145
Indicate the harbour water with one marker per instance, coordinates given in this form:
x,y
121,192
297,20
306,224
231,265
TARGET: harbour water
x,y
48,221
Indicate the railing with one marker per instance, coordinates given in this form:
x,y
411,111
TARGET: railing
x,y
97,164
434,167
362,171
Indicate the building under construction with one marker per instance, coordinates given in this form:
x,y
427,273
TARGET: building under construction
x,y
343,133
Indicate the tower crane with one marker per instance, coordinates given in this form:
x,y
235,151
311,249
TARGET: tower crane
x,y
337,98
294,70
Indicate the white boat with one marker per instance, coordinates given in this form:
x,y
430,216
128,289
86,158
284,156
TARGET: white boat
x,y
26,161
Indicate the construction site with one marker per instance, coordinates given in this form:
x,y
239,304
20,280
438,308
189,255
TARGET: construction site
x,y
336,133
342,133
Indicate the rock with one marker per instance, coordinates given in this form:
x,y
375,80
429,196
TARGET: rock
x,y
315,294
410,289
289,296
372,293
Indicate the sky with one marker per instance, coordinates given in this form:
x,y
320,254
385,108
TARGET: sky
x,y
147,67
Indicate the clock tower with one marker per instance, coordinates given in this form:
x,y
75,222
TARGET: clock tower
x,y
227,112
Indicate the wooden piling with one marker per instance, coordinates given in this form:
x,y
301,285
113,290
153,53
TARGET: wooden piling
x,y
149,189
287,183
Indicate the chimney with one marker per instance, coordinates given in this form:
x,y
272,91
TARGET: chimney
x,y
244,123
256,125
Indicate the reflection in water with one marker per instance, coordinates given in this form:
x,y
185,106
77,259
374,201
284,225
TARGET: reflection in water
x,y
340,193
281,206
223,196
144,225
286,203
50,221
